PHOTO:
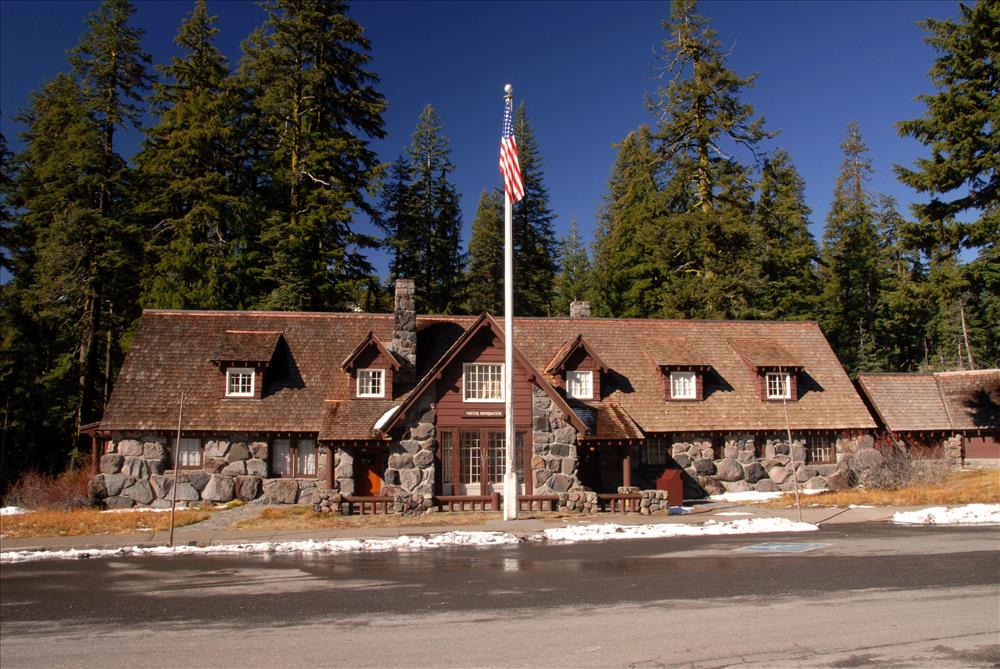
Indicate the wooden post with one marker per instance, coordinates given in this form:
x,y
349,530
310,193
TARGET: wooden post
x,y
329,467
95,456
627,467
177,465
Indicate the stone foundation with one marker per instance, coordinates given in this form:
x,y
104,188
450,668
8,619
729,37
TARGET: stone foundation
x,y
553,448
134,472
410,470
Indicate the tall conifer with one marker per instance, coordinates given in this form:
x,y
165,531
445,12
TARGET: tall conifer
x,y
307,71
573,279
484,278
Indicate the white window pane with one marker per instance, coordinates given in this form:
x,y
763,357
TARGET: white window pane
x,y
305,458
469,453
239,382
482,382
778,386
580,385
683,385
281,457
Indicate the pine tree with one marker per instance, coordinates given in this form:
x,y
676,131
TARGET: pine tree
x,y
788,250
983,307
434,242
963,171
534,239
398,219
484,278
306,70
573,280
626,278
706,251
850,262
202,233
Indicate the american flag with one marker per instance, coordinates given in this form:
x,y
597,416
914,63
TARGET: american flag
x,y
509,167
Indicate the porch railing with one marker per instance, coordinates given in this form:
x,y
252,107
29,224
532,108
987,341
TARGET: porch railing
x,y
614,503
610,503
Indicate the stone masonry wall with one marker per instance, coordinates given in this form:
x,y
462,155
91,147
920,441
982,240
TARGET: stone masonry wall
x,y
741,470
409,475
554,457
133,472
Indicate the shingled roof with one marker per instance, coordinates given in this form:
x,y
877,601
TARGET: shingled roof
x,y
309,392
933,402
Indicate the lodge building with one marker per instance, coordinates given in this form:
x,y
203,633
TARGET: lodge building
x,y
278,406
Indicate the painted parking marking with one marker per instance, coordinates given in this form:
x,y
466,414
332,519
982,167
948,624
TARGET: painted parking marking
x,y
780,547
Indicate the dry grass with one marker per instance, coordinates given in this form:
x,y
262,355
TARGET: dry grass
x,y
56,523
34,490
964,487
304,518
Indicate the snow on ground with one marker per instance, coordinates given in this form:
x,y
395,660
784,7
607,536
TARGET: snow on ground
x,y
13,511
956,515
734,513
569,534
751,496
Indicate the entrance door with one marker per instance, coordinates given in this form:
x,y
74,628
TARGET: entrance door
x,y
368,471
476,465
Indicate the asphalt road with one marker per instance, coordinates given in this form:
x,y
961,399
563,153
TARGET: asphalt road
x,y
861,595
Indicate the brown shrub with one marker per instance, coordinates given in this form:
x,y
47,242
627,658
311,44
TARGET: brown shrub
x,y
46,491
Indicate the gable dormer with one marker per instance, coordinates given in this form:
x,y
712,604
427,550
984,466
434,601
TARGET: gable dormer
x,y
681,367
776,372
578,369
244,358
371,367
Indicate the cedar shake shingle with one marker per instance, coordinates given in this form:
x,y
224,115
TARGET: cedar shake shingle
x,y
247,346
932,402
305,390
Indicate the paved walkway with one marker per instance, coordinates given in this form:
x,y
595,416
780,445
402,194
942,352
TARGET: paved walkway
x,y
215,529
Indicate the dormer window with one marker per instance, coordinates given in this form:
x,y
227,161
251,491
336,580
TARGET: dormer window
x,y
779,386
239,382
683,385
371,383
580,385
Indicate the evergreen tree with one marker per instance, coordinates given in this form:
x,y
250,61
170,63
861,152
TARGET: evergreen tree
x,y
398,219
573,280
202,235
484,278
788,250
435,238
850,262
626,277
534,239
306,70
983,307
706,248
963,171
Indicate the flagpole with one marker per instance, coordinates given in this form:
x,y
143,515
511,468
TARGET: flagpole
x,y
509,475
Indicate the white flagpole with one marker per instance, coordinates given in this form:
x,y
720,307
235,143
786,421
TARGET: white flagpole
x,y
509,475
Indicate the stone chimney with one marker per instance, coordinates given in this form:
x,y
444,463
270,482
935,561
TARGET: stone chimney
x,y
579,309
404,334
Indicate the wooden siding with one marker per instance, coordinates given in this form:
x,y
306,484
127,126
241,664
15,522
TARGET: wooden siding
x,y
371,358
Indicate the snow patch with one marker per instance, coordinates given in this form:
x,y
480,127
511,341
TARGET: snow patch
x,y
569,534
750,496
734,513
386,417
957,515
14,511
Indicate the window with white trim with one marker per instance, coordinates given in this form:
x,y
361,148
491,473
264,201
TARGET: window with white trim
x,y
580,385
371,383
683,386
239,382
778,386
482,382
293,458
188,455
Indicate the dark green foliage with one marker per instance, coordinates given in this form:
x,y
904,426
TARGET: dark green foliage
x,y
534,239
850,262
199,209
484,278
573,280
960,128
787,248
398,219
318,109
434,242
983,307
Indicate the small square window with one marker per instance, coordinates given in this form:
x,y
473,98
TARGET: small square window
x,y
482,382
239,382
778,386
188,455
683,386
580,385
371,383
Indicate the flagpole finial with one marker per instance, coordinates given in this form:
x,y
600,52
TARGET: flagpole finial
x,y
508,89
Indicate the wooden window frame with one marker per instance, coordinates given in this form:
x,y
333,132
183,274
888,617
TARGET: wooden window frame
x,y
650,445
293,452
174,451
484,462
827,445
371,373
783,378
470,366
232,372
589,385
687,375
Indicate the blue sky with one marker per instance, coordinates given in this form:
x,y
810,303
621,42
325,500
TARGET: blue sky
x,y
583,70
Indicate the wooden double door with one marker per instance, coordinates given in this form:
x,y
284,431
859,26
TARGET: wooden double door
x,y
471,460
